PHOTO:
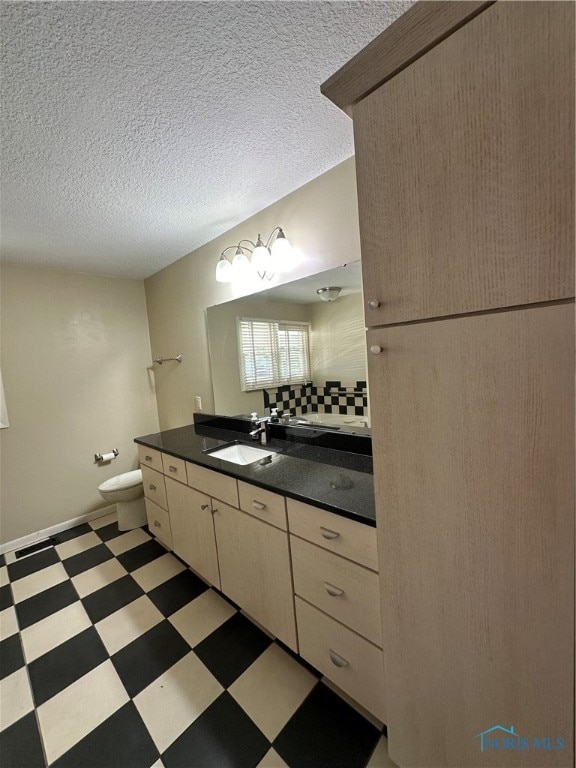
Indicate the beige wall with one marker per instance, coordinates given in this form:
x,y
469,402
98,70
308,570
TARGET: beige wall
x,y
75,358
321,222
337,343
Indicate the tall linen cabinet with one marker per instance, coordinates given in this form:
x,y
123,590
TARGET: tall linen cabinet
x,y
464,136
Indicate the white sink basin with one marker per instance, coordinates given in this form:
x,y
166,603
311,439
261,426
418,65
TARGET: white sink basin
x,y
241,454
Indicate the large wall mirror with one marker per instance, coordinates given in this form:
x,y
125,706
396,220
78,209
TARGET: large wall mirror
x,y
265,334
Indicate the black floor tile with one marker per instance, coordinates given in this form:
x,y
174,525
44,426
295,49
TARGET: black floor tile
x,y
121,741
108,532
6,599
325,730
149,656
105,601
177,592
33,563
83,561
299,659
65,664
20,745
222,737
139,556
2,560
72,533
11,656
47,602
231,648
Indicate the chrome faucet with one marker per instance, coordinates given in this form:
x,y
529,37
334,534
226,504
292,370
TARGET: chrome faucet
x,y
260,428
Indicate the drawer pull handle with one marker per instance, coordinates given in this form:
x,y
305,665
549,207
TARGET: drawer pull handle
x,y
258,504
172,469
332,590
152,487
328,534
157,524
337,660
148,458
373,303
375,349
204,506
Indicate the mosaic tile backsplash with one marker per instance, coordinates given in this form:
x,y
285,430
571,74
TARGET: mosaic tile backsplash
x,y
329,397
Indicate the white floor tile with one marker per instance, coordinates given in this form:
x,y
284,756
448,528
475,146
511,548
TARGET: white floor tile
x,y
380,757
8,622
74,712
55,629
100,576
272,689
272,760
158,571
127,541
37,582
15,698
201,617
100,522
4,576
158,764
77,545
128,623
175,699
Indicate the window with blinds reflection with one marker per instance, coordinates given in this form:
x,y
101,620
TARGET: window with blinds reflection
x,y
272,353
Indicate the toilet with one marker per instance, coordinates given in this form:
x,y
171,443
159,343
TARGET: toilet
x,y
127,492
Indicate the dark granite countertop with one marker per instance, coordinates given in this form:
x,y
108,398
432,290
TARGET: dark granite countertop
x,y
336,480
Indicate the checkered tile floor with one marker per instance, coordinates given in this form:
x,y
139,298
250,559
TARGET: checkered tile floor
x,y
114,654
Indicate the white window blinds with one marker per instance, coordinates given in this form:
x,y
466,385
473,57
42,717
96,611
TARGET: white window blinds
x,y
272,353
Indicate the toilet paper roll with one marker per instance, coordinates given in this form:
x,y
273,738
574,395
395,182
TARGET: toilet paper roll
x,y
108,456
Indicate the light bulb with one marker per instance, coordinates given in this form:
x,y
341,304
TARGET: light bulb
x,y
281,250
240,263
223,270
261,260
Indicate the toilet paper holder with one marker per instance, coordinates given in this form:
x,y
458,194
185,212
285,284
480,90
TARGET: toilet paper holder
x,y
106,456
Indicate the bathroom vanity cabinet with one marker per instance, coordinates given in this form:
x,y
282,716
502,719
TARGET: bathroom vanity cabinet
x,y
255,570
464,124
306,575
193,535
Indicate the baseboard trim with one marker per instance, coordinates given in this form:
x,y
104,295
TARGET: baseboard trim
x,y
32,538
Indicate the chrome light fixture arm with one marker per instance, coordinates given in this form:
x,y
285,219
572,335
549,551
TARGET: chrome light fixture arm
x,y
261,256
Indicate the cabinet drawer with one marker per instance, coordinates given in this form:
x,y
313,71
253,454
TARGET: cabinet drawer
x,y
352,663
213,483
348,538
150,458
174,467
266,505
159,522
345,590
154,486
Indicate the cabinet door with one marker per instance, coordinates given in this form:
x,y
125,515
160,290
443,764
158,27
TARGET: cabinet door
x,y
465,164
255,570
193,529
473,437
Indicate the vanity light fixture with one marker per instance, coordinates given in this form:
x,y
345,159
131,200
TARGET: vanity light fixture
x,y
329,294
267,259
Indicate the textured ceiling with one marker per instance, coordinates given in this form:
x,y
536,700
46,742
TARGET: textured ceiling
x,y
134,132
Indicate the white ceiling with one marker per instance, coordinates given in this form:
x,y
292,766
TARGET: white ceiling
x,y
134,132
